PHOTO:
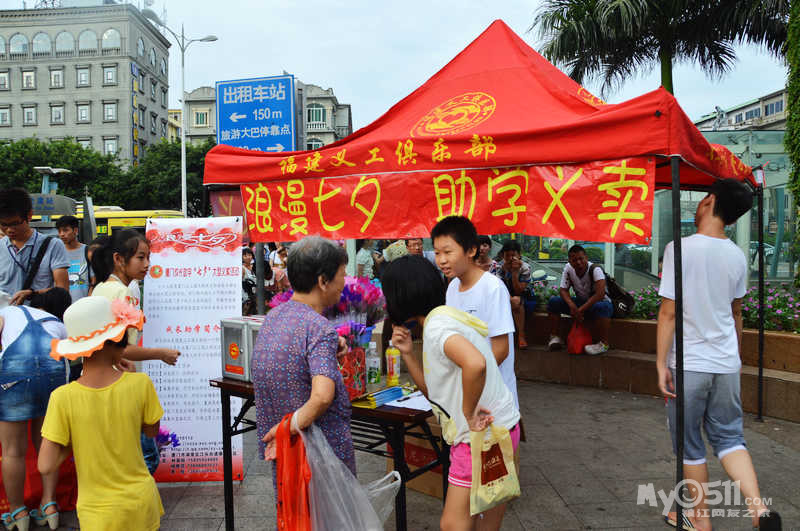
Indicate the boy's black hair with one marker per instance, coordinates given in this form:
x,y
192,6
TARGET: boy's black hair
x,y
412,287
54,301
248,250
511,245
68,221
733,199
484,239
15,202
576,249
460,229
125,242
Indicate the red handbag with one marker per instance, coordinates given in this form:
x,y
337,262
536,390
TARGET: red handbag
x,y
579,336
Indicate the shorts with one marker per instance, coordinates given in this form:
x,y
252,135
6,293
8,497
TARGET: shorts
x,y
599,309
711,404
27,398
460,473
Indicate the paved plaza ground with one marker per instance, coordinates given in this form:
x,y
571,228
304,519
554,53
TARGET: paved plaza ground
x,y
587,452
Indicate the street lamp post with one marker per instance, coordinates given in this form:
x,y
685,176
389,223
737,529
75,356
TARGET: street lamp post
x,y
183,43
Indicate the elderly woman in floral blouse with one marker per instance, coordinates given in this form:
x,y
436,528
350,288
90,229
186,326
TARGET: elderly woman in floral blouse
x,y
294,365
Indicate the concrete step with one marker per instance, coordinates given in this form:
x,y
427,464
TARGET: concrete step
x,y
620,370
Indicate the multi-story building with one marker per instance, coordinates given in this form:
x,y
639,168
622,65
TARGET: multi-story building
x,y
325,119
767,112
94,73
201,116
174,125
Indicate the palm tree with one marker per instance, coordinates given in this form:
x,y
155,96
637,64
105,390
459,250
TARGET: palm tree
x,y
616,39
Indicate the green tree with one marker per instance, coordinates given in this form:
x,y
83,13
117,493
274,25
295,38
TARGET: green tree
x,y
156,182
100,173
792,137
618,39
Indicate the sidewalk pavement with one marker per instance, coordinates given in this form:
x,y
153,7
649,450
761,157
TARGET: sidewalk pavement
x,y
587,452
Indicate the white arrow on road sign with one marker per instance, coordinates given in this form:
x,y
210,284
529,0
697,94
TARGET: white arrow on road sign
x,y
236,117
276,147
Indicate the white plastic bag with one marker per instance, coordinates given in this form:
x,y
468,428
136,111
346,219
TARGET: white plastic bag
x,y
338,501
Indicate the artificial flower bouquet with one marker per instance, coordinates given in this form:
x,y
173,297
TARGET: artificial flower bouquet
x,y
360,307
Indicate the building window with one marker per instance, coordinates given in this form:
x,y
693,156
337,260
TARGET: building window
x,y
140,47
5,116
109,146
29,115
84,113
141,82
163,67
4,81
57,114
41,45
163,128
739,118
18,46
83,76
153,120
164,98
313,143
85,142
57,78
201,118
752,113
153,58
29,80
141,117
65,44
111,41
109,75
87,43
2,47
153,90
316,113
110,111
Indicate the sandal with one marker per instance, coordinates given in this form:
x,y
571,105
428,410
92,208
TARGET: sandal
x,y
687,523
11,521
43,519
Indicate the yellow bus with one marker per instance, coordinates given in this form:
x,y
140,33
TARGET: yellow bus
x,y
109,219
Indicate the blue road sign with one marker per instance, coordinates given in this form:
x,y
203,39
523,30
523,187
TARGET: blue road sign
x,y
256,113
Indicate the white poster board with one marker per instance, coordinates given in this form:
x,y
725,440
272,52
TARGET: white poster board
x,y
195,279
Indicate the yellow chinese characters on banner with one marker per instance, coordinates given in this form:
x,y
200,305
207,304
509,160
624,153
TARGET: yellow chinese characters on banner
x,y
598,201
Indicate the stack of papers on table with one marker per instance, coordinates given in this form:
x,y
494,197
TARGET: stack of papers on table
x,y
415,400
379,398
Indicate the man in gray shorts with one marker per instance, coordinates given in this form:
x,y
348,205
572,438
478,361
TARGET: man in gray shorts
x,y
714,282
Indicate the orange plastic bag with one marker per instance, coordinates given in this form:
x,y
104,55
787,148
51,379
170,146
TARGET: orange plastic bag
x,y
293,475
579,336
66,491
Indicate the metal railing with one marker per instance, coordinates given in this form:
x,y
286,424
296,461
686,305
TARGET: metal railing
x,y
29,53
317,126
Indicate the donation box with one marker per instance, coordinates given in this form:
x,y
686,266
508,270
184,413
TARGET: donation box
x,y
238,338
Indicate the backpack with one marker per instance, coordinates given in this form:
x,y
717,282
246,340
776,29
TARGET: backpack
x,y
621,300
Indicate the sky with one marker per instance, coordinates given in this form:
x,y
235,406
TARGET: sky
x,y
375,52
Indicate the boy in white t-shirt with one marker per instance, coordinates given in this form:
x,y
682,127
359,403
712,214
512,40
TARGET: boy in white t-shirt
x,y
589,303
458,375
472,290
714,282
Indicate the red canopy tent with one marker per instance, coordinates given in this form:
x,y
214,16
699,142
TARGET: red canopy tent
x,y
497,105
534,113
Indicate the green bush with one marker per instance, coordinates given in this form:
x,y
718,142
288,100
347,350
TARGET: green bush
x,y
781,307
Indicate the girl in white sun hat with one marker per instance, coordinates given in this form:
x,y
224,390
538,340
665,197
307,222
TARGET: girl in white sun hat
x,y
100,417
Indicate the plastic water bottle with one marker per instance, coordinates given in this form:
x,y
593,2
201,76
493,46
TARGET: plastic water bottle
x,y
373,363
392,365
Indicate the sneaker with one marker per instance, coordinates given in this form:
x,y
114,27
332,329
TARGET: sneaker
x,y
596,348
555,343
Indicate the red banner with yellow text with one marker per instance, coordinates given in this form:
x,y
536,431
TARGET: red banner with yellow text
x,y
599,201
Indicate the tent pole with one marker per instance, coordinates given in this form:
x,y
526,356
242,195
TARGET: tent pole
x,y
760,198
676,235
260,273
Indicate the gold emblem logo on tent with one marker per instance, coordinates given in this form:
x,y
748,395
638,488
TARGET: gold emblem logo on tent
x,y
456,115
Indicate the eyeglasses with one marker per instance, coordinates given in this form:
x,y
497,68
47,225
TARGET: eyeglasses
x,y
5,225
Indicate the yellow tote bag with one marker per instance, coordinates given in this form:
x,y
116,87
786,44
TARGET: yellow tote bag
x,y
494,477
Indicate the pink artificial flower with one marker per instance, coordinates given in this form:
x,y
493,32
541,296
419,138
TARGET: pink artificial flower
x,y
126,312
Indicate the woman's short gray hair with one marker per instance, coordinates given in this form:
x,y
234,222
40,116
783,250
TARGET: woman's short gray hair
x,y
311,258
